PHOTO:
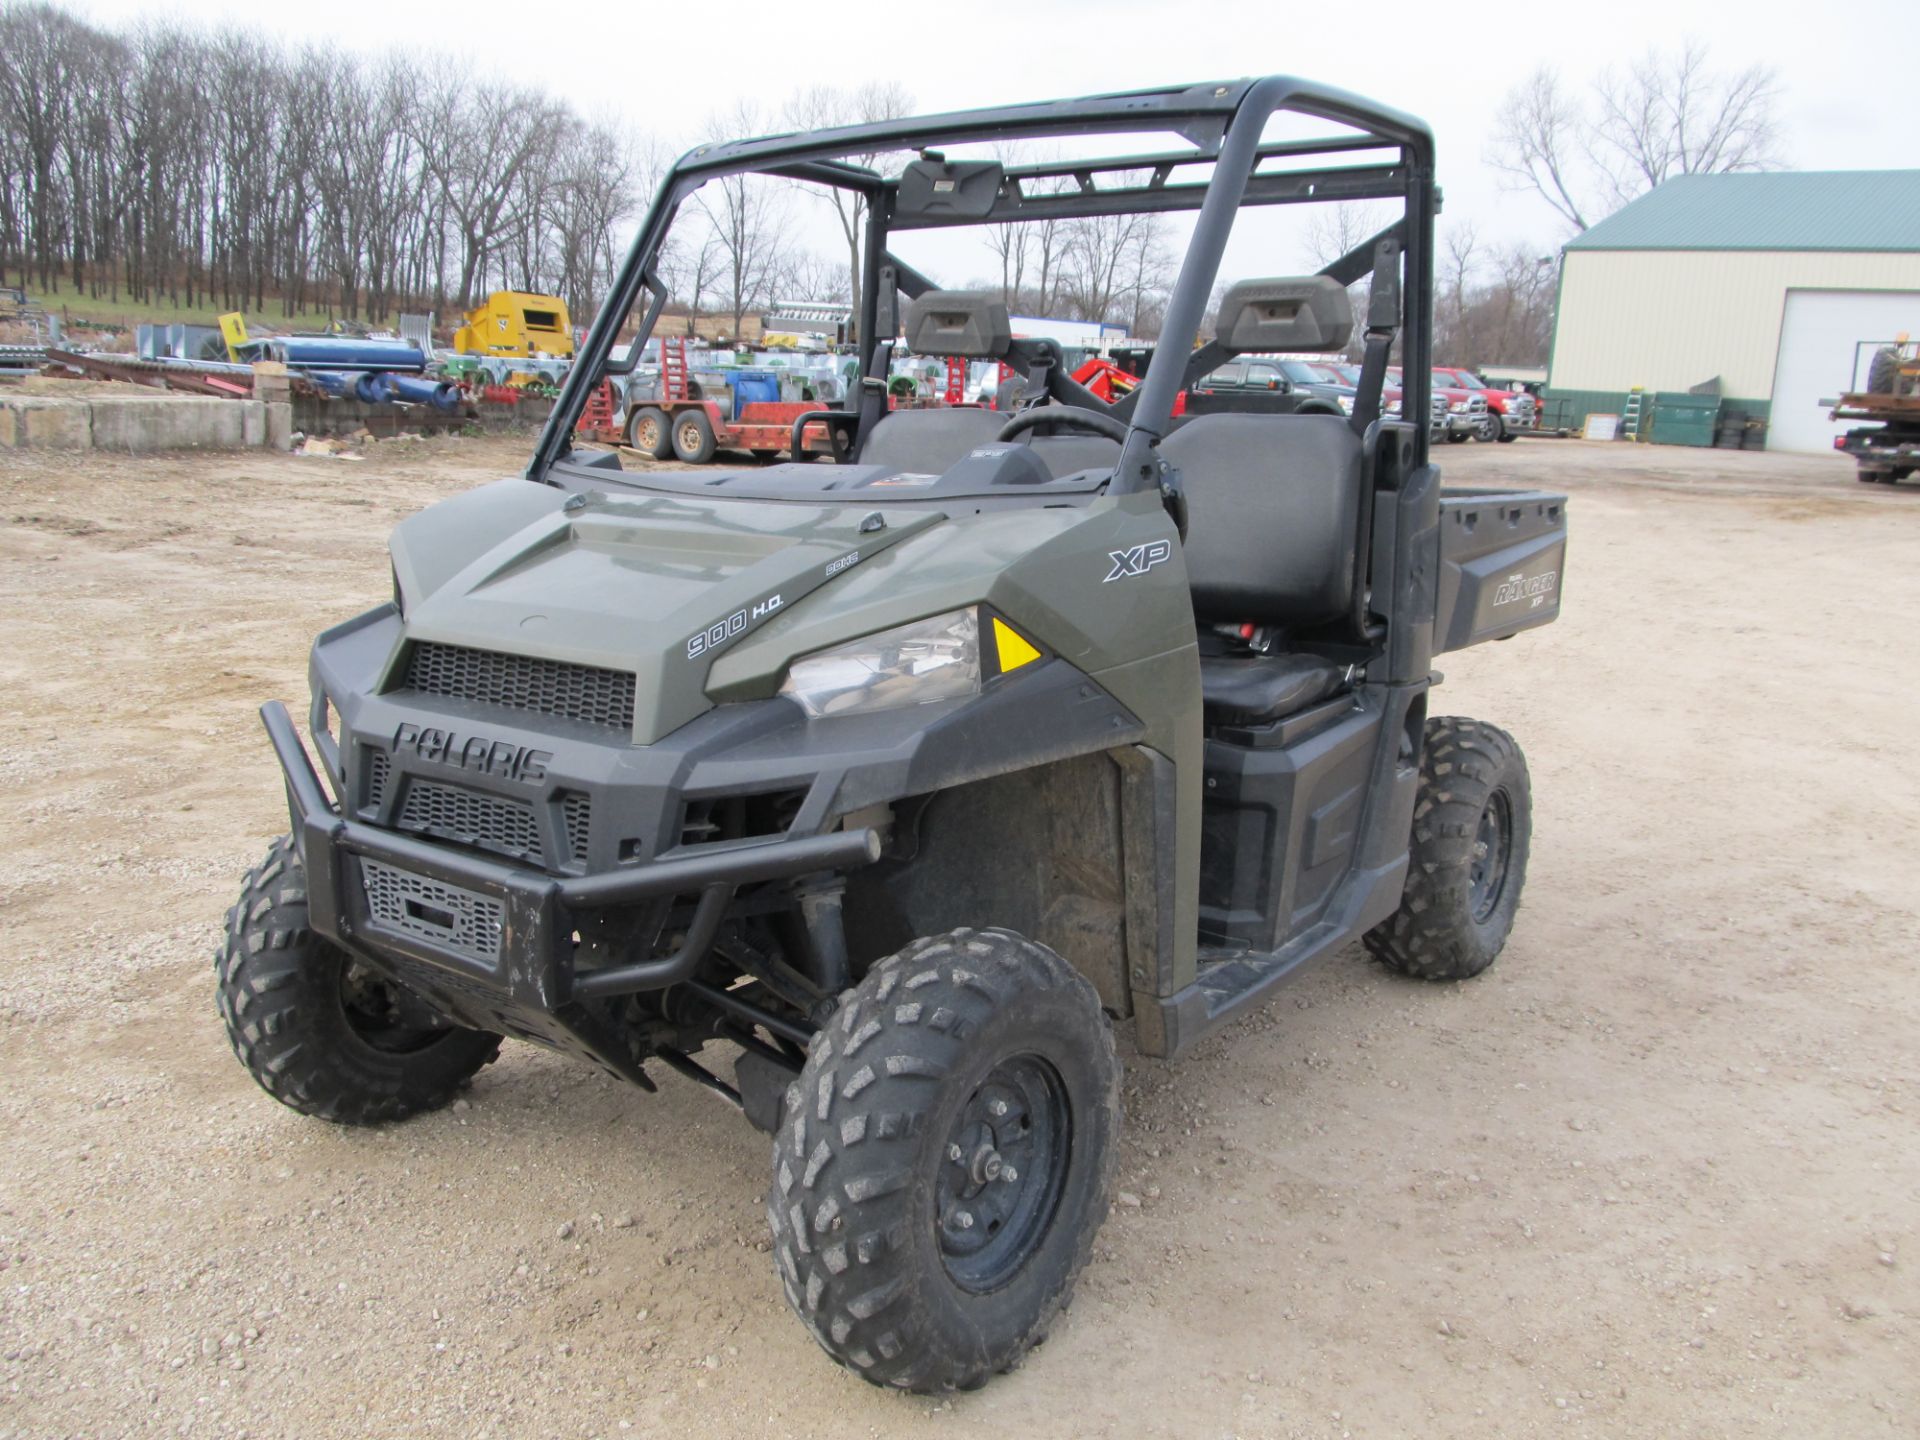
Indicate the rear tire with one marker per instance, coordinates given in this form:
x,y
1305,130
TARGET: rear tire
x,y
1472,828
693,438
647,432
944,1160
319,1031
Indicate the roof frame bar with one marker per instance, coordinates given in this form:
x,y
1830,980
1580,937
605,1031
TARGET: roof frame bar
x,y
1287,187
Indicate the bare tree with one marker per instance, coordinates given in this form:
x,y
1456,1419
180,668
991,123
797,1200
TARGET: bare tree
x,y
825,107
1537,144
1667,114
746,214
1673,115
329,181
1334,231
1491,306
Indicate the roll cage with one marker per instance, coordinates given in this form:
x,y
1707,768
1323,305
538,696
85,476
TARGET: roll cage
x,y
1224,122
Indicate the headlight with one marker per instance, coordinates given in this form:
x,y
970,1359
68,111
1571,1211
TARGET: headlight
x,y
1456,406
929,660
1346,404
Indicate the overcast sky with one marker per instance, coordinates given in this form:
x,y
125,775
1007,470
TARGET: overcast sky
x,y
1847,71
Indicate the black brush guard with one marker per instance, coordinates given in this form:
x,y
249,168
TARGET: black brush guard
x,y
527,986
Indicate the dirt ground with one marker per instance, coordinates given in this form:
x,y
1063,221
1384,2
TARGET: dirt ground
x,y
1654,1175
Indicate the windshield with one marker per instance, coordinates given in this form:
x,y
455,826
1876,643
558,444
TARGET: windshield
x,y
776,279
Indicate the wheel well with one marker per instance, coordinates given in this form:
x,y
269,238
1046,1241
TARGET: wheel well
x,y
1039,852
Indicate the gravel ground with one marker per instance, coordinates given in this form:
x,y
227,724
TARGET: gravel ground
x,y
1655,1174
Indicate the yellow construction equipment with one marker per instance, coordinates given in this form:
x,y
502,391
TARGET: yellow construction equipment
x,y
513,322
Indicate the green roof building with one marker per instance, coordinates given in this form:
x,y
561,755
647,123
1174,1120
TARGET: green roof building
x,y
1768,284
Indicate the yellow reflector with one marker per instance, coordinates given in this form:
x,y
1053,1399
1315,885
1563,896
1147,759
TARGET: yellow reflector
x,y
1014,649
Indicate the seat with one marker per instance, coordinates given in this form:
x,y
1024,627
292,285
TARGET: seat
x,y
928,442
1273,512
1251,689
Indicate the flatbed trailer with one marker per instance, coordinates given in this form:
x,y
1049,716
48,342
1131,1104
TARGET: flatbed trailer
x,y
694,431
1886,449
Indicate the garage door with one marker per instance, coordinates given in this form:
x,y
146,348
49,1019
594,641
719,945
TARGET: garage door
x,y
1817,338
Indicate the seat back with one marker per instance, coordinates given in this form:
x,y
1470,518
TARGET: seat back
x,y
1273,510
928,442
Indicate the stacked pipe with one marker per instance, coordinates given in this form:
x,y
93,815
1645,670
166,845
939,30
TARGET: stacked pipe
x,y
418,390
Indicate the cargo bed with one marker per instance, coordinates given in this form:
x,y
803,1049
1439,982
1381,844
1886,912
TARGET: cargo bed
x,y
1502,557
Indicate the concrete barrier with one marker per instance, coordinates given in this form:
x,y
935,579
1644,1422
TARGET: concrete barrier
x,y
142,424
40,422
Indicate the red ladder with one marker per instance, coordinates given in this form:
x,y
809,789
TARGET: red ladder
x,y
673,367
596,421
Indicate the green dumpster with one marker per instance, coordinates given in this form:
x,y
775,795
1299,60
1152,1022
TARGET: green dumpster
x,y
1685,419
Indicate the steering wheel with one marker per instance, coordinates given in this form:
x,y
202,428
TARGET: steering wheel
x,y
1071,417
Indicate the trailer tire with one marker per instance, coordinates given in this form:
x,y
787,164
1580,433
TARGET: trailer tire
x,y
944,1160
693,438
1466,867
648,432
315,1029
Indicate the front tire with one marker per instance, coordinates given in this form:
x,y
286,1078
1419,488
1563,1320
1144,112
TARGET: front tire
x,y
317,1029
944,1160
1472,829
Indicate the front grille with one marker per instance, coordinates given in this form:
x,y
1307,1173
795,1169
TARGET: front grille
x,y
471,817
461,920
518,682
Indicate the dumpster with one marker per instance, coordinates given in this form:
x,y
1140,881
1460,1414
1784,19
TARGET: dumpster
x,y
1681,419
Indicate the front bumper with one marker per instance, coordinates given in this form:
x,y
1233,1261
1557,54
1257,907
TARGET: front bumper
x,y
492,942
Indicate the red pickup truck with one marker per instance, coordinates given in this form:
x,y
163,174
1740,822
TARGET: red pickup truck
x,y
1507,410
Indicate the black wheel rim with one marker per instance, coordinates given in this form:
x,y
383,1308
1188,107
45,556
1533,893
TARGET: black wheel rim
x,y
377,1013
1003,1166
1492,844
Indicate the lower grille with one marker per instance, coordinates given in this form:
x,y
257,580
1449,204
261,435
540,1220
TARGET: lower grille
x,y
471,817
461,920
577,811
378,770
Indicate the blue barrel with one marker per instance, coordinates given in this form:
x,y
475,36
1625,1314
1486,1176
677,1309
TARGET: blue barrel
x,y
752,386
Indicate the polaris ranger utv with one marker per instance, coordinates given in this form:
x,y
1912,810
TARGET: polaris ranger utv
x,y
874,794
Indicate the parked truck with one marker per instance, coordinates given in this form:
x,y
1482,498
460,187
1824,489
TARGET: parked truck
x,y
1886,449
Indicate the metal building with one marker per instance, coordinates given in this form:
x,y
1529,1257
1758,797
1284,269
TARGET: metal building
x,y
1763,283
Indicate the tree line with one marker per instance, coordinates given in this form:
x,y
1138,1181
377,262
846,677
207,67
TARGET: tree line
x,y
167,164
